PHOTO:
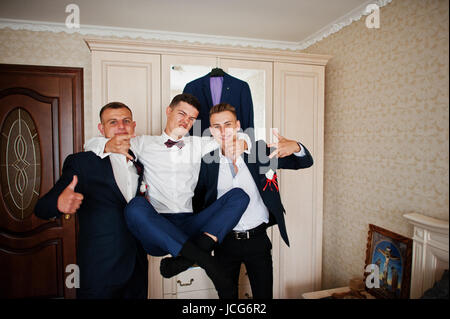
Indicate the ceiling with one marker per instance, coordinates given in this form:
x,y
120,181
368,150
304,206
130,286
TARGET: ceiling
x,y
282,20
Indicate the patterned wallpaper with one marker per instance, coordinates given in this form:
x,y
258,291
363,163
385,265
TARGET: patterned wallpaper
x,y
386,129
49,48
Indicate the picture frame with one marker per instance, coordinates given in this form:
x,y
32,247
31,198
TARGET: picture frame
x,y
392,253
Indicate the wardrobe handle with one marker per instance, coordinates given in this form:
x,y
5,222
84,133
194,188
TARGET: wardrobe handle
x,y
186,284
248,296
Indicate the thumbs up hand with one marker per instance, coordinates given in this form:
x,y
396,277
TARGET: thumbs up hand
x,y
69,201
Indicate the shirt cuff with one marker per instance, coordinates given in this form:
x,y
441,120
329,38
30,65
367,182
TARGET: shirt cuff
x,y
302,151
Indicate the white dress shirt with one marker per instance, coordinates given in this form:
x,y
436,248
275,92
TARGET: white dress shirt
x,y
125,174
256,212
170,173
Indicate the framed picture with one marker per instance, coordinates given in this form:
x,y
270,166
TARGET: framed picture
x,y
392,254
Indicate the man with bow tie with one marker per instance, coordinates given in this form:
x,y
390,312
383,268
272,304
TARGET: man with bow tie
x,y
255,173
111,261
164,222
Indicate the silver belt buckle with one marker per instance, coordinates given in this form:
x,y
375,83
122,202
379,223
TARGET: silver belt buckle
x,y
237,235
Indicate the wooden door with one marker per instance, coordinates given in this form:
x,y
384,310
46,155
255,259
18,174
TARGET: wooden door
x,y
40,123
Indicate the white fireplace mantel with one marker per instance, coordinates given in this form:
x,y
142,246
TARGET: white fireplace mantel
x,y
430,252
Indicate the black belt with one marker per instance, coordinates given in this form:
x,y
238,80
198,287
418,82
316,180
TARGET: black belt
x,y
251,233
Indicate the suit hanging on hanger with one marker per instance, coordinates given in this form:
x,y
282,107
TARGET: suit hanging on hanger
x,y
233,91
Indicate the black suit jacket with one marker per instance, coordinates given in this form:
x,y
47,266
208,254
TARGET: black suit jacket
x,y
106,250
206,190
234,91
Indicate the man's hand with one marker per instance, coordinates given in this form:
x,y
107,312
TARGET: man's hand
x,y
284,147
120,144
68,200
234,148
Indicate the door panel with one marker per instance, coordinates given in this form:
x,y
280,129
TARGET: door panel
x,y
298,114
133,79
40,124
179,70
258,75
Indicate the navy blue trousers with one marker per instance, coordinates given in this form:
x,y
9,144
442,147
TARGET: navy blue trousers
x,y
161,234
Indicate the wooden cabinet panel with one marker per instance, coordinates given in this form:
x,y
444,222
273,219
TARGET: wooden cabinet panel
x,y
298,114
133,79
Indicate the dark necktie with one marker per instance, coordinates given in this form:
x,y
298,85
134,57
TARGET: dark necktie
x,y
140,171
169,143
137,164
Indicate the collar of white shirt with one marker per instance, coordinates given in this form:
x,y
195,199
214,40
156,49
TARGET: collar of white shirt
x,y
165,137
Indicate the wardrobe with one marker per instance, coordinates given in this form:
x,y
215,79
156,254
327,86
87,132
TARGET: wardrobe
x,y
287,89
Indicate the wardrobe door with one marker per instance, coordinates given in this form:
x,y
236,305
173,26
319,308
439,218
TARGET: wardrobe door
x,y
179,70
299,115
258,75
176,72
130,78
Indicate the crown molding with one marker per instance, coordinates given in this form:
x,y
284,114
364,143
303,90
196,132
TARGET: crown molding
x,y
146,34
177,48
354,15
194,38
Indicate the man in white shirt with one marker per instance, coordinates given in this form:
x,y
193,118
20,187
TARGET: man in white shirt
x,y
248,243
164,223
112,262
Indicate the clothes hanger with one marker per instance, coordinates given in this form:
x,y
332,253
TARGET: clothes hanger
x,y
215,72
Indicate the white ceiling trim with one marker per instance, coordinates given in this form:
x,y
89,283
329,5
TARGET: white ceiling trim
x,y
354,15
331,28
146,34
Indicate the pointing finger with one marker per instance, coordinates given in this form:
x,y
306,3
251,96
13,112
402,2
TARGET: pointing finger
x,y
274,153
275,132
128,155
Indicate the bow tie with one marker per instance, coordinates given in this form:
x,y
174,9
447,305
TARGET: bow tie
x,y
169,143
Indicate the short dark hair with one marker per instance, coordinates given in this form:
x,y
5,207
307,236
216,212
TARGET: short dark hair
x,y
113,105
185,97
222,107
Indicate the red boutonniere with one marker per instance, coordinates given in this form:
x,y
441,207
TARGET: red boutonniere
x,y
143,188
271,179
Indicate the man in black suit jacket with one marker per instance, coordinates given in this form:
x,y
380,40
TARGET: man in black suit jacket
x,y
255,173
112,262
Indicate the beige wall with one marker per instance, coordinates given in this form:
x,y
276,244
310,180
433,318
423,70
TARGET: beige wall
x,y
386,129
49,48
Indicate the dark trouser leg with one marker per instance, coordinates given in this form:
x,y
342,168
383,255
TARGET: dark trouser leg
x,y
229,255
134,288
172,266
259,266
212,267
256,255
218,220
158,235
137,285
221,216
